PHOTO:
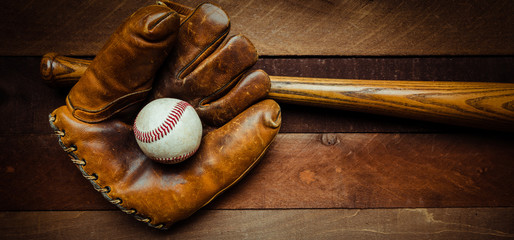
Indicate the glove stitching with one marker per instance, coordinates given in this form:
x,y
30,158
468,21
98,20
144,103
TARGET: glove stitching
x,y
78,161
177,159
70,150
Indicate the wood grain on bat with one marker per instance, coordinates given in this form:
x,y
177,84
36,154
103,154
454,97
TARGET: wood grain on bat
x,y
463,103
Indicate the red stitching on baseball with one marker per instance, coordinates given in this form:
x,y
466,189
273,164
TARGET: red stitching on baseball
x,y
165,127
175,159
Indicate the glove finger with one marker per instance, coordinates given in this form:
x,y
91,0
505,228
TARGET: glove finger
x,y
215,75
199,35
122,72
252,87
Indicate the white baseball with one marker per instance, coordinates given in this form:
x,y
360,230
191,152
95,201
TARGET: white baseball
x,y
168,130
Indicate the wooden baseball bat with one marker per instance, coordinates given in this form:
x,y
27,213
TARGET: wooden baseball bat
x,y
473,104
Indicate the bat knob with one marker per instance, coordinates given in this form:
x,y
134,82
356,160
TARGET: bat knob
x,y
58,71
46,68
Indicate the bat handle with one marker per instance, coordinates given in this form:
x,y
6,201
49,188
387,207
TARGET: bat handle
x,y
61,71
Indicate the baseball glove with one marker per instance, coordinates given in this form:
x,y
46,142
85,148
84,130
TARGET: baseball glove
x,y
168,50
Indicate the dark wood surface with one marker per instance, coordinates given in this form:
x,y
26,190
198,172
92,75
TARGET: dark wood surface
x,y
305,27
351,170
330,174
360,224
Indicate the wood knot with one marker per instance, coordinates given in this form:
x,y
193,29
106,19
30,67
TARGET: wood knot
x,y
329,139
307,176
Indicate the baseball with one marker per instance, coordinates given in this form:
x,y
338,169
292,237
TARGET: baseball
x,y
168,130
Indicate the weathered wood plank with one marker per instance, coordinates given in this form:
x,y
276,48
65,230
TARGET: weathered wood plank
x,y
370,170
445,223
380,170
350,28
23,94
457,69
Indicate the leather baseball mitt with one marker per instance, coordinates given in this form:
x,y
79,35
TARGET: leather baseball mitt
x,y
168,50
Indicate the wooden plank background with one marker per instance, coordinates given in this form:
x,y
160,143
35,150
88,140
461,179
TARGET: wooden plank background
x,y
330,174
438,223
279,28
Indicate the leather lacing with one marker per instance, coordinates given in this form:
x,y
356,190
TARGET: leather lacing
x,y
80,163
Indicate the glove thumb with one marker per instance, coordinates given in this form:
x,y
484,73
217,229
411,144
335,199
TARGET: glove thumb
x,y
122,73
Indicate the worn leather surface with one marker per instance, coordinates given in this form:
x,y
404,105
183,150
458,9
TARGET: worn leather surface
x,y
95,126
141,44
204,73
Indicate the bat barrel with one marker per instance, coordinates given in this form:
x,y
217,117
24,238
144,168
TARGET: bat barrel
x,y
474,104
